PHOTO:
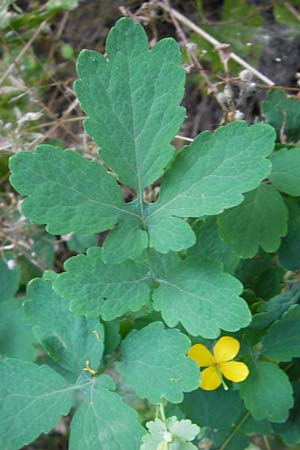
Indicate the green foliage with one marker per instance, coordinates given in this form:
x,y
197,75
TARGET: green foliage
x,y
286,171
267,392
95,288
289,254
168,272
28,392
90,426
281,342
168,371
283,113
197,293
68,339
261,220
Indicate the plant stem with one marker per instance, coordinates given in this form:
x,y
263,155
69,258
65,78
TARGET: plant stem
x,y
235,430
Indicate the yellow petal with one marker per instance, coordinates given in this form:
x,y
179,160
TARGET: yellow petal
x,y
210,379
201,355
226,349
234,371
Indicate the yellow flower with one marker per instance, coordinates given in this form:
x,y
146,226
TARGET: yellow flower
x,y
219,363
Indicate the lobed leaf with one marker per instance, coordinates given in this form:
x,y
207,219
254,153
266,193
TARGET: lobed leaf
x,y
199,295
283,113
33,399
210,245
65,191
95,289
267,392
104,421
261,220
132,99
285,174
70,340
154,363
282,340
213,172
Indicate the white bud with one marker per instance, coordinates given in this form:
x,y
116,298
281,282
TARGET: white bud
x,y
167,436
238,115
246,75
221,97
191,46
11,264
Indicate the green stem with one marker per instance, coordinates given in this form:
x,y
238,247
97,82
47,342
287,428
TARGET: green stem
x,y
235,430
162,412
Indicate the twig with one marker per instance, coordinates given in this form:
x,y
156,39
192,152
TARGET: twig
x,y
191,54
181,18
292,10
22,52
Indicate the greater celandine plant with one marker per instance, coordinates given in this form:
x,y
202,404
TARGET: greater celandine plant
x,y
171,271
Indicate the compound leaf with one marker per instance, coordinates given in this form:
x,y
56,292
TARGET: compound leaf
x,y
66,191
132,100
95,289
261,220
213,172
104,421
283,113
70,340
285,175
33,399
197,293
154,363
282,340
267,392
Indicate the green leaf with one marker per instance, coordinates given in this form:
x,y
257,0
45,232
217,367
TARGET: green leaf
x,y
117,249
70,340
158,356
267,392
285,175
289,253
274,308
210,245
132,100
65,191
290,430
261,220
79,243
94,288
197,293
283,113
104,422
33,399
175,434
170,234
213,172
261,274
217,409
282,340
9,279
15,331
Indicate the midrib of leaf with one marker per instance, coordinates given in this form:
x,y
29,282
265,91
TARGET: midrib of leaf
x,y
138,175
